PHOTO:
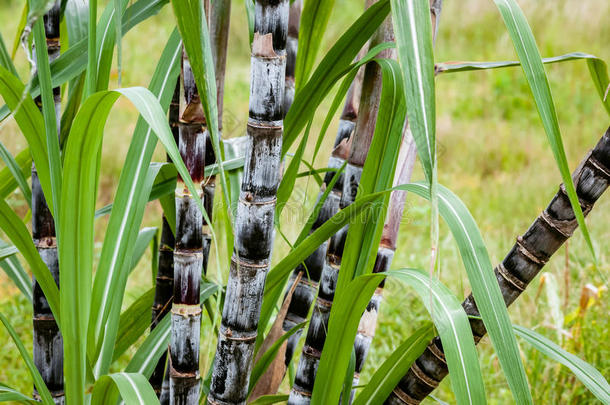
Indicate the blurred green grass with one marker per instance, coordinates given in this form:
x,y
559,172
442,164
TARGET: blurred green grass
x,y
493,153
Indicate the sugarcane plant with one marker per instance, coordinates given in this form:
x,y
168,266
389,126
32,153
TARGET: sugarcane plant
x,y
48,343
213,279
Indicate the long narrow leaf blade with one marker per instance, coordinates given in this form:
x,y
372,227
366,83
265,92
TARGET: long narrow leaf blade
x,y
531,62
585,372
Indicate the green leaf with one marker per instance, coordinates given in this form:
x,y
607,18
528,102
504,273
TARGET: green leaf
x,y
484,286
585,372
165,183
349,379
387,376
145,237
9,394
13,269
363,236
314,20
342,329
192,24
19,235
91,75
5,58
286,186
78,198
17,173
249,5
127,211
8,182
133,388
454,329
148,354
531,62
41,387
597,68
133,323
74,61
413,31
50,118
266,359
30,122
336,63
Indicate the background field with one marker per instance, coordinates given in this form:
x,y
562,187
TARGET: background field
x,y
493,153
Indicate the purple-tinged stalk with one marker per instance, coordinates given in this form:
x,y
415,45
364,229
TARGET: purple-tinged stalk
x,y
48,343
254,221
311,269
292,44
387,246
188,253
524,261
164,282
360,144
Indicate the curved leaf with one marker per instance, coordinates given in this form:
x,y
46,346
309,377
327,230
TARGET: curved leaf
x,y
15,170
585,372
454,329
397,364
127,211
531,62
133,388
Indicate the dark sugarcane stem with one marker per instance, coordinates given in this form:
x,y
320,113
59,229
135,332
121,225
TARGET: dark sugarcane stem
x,y
48,342
256,207
311,269
524,261
387,246
292,44
164,282
188,252
360,143
218,13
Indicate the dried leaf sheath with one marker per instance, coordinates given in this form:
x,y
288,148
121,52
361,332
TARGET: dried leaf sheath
x,y
164,283
188,252
524,261
48,342
256,207
360,143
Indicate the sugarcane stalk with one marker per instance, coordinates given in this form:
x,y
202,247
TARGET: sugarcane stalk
x,y
292,44
48,342
387,246
361,140
524,261
256,207
164,282
311,269
188,252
